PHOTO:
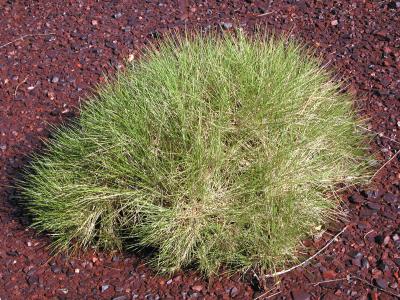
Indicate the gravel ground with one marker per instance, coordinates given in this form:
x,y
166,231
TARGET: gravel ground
x,y
53,53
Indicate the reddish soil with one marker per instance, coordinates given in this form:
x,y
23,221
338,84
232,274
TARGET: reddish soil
x,y
69,45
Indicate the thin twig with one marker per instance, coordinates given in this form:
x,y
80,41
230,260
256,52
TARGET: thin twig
x,y
365,235
255,275
266,293
393,157
111,267
23,37
310,258
386,163
382,136
331,280
18,85
276,285
270,296
265,14
377,287
350,277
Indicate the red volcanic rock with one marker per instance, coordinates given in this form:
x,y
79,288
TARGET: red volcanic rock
x,y
52,53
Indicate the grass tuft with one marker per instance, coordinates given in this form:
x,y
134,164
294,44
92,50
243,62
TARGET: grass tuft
x,y
214,151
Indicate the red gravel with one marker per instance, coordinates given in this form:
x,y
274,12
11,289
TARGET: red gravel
x,y
44,77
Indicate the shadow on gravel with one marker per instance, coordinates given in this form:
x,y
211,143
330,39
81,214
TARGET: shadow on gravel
x,y
17,167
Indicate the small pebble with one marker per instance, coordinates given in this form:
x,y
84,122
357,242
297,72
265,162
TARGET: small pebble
x,y
381,283
397,261
389,197
397,244
149,297
104,288
234,292
12,253
27,269
55,79
334,22
51,38
371,193
373,206
197,288
51,95
110,45
117,15
394,285
154,34
328,275
382,266
120,298
356,262
226,25
355,254
31,271
394,4
366,213
365,263
356,199
55,269
386,240
34,279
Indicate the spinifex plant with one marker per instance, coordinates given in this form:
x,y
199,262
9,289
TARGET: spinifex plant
x,y
213,151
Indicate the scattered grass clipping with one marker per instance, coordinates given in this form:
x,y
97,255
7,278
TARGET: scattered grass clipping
x,y
214,151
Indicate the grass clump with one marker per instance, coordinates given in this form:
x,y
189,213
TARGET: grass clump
x,y
213,151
